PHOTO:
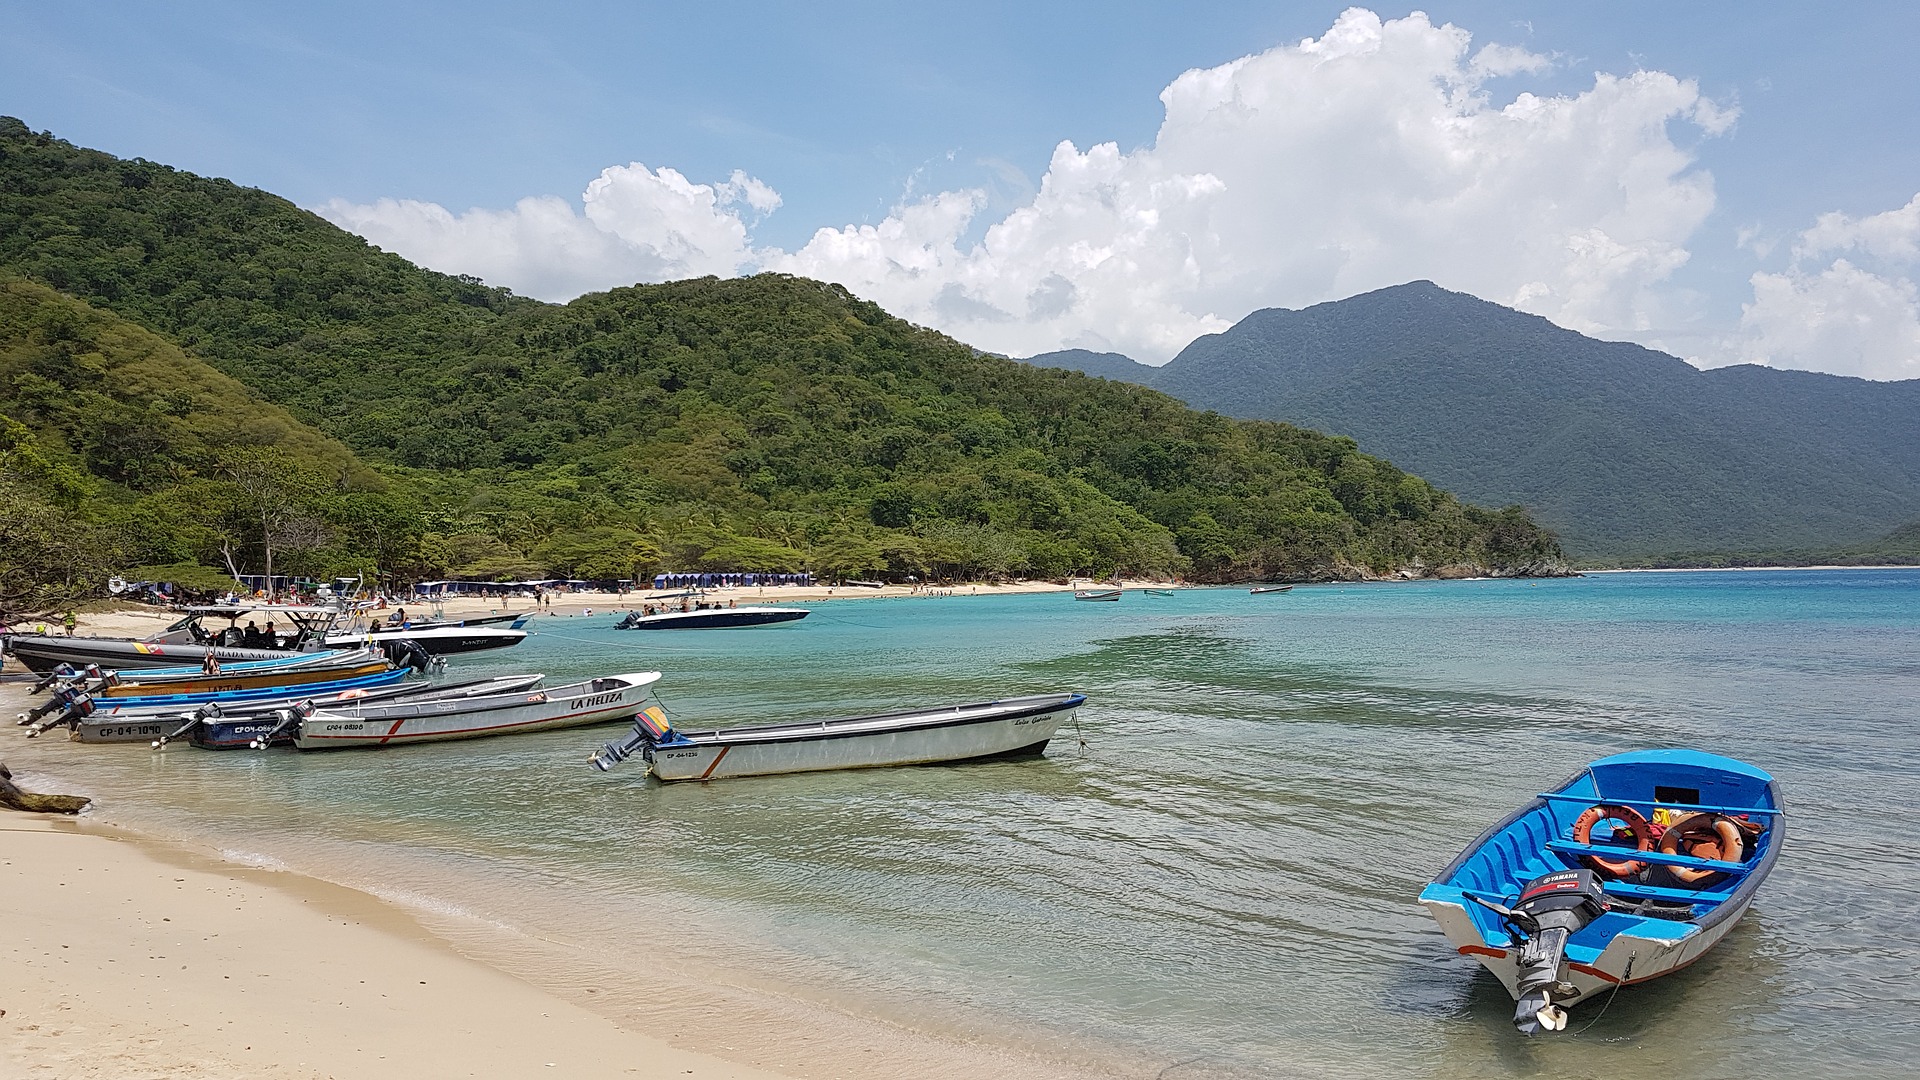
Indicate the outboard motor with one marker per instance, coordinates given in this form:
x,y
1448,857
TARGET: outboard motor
x,y
285,720
1552,908
59,673
650,729
62,697
407,653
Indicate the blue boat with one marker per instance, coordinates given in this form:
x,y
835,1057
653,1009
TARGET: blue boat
x,y
136,703
1632,868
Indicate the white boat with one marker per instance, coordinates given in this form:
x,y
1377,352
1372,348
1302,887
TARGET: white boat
x,y
1259,590
614,697
215,726
987,730
434,640
711,618
1096,594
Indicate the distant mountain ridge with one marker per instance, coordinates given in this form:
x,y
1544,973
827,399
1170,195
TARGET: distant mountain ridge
x,y
1619,448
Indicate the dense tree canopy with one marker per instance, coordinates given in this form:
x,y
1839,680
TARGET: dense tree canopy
x,y
769,423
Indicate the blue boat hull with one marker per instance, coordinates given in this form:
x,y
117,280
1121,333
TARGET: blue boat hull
x,y
1654,924
149,702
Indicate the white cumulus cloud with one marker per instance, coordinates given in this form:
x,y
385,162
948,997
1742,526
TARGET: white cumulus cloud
x,y
1372,155
1857,315
1367,157
638,224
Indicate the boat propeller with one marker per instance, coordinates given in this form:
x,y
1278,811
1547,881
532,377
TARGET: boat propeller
x,y
1551,909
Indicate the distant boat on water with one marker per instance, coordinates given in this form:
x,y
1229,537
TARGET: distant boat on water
x,y
1259,590
710,618
1631,868
1161,592
1096,594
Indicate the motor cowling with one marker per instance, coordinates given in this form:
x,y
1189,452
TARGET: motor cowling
x,y
1552,908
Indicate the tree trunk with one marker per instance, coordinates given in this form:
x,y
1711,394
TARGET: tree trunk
x,y
13,798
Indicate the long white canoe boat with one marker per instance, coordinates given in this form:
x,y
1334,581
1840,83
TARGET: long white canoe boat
x,y
982,731
1096,594
614,697
236,724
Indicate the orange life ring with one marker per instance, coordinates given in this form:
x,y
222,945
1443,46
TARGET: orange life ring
x,y
1705,836
1635,826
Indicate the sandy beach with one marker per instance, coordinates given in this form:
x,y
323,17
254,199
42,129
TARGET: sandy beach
x,y
132,959
139,955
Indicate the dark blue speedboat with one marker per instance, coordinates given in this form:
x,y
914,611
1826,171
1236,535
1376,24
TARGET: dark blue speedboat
x,y
1632,868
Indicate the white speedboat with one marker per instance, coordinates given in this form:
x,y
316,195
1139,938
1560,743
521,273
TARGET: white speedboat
x,y
982,731
433,640
711,618
1096,594
614,697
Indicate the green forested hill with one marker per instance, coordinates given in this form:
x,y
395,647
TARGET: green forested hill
x,y
1624,451
764,423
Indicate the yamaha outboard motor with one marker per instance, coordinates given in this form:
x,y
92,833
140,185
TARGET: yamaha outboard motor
x,y
1552,908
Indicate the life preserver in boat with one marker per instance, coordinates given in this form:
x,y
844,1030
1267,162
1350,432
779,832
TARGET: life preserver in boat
x,y
1703,836
1629,821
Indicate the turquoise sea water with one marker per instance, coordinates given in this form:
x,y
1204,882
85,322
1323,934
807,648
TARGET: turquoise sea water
x,y
1214,873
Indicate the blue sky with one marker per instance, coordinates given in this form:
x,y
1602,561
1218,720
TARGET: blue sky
x,y
780,120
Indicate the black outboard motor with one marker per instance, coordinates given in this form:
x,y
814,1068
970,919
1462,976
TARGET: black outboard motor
x,y
407,653
59,672
1552,908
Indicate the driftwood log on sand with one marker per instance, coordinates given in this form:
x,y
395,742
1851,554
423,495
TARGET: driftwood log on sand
x,y
12,797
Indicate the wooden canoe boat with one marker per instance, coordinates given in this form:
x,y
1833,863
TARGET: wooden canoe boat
x,y
1096,594
982,731
1562,908
614,697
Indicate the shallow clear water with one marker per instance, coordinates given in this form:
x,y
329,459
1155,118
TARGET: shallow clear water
x,y
1214,873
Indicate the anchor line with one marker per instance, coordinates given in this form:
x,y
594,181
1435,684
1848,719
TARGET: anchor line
x,y
1624,976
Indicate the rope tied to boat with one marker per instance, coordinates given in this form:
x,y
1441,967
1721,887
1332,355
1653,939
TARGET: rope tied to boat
x,y
1611,994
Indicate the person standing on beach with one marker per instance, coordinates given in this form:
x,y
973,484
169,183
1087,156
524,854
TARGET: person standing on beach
x,y
69,622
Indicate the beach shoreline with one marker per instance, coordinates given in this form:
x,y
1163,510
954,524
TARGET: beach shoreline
x,y
130,956
141,953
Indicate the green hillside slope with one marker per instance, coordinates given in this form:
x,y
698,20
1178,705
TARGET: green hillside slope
x,y
118,450
766,423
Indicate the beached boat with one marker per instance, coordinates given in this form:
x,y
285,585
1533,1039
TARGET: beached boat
x,y
988,730
712,618
346,664
614,697
256,728
1632,868
1258,590
1096,594
209,724
68,704
187,641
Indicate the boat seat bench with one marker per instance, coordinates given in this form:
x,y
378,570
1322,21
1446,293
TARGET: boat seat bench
x,y
1656,858
1654,892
